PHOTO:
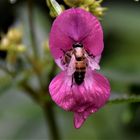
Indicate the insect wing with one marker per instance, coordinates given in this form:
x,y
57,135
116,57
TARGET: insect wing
x,y
71,66
93,63
59,63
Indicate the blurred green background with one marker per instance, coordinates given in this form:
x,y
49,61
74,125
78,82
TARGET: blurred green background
x,y
21,118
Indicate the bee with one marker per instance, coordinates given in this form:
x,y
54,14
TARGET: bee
x,y
79,64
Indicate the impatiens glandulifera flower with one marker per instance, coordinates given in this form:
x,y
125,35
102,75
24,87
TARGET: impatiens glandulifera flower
x,y
76,43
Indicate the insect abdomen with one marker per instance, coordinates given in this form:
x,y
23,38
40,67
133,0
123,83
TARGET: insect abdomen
x,y
79,77
79,74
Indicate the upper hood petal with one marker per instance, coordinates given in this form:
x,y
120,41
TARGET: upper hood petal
x,y
76,25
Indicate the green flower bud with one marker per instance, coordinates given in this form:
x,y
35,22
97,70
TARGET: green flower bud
x,y
78,3
12,41
98,11
53,12
55,8
20,48
14,35
85,8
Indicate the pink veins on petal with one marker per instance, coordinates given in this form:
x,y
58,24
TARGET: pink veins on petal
x,y
78,26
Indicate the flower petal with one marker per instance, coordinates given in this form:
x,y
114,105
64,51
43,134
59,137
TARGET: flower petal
x,y
84,99
60,90
76,25
79,118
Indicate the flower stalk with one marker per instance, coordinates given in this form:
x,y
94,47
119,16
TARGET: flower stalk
x,y
32,27
40,95
51,122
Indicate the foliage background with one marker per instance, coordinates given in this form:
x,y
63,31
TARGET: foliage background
x,y
21,118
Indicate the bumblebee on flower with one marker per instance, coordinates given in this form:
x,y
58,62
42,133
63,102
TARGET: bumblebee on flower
x,y
76,43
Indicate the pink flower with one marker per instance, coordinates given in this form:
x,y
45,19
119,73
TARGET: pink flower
x,y
76,43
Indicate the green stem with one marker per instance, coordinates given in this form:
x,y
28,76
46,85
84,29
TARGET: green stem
x,y
32,27
129,99
51,122
33,39
31,92
6,70
48,109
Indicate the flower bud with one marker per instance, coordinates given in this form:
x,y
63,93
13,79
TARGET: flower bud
x,y
77,3
98,11
21,48
14,35
5,43
55,8
86,8
54,13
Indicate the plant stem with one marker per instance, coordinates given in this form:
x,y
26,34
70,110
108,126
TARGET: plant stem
x,y
51,122
33,40
6,70
47,108
129,99
32,27
31,92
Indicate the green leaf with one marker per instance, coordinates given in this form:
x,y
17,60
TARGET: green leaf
x,y
124,99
